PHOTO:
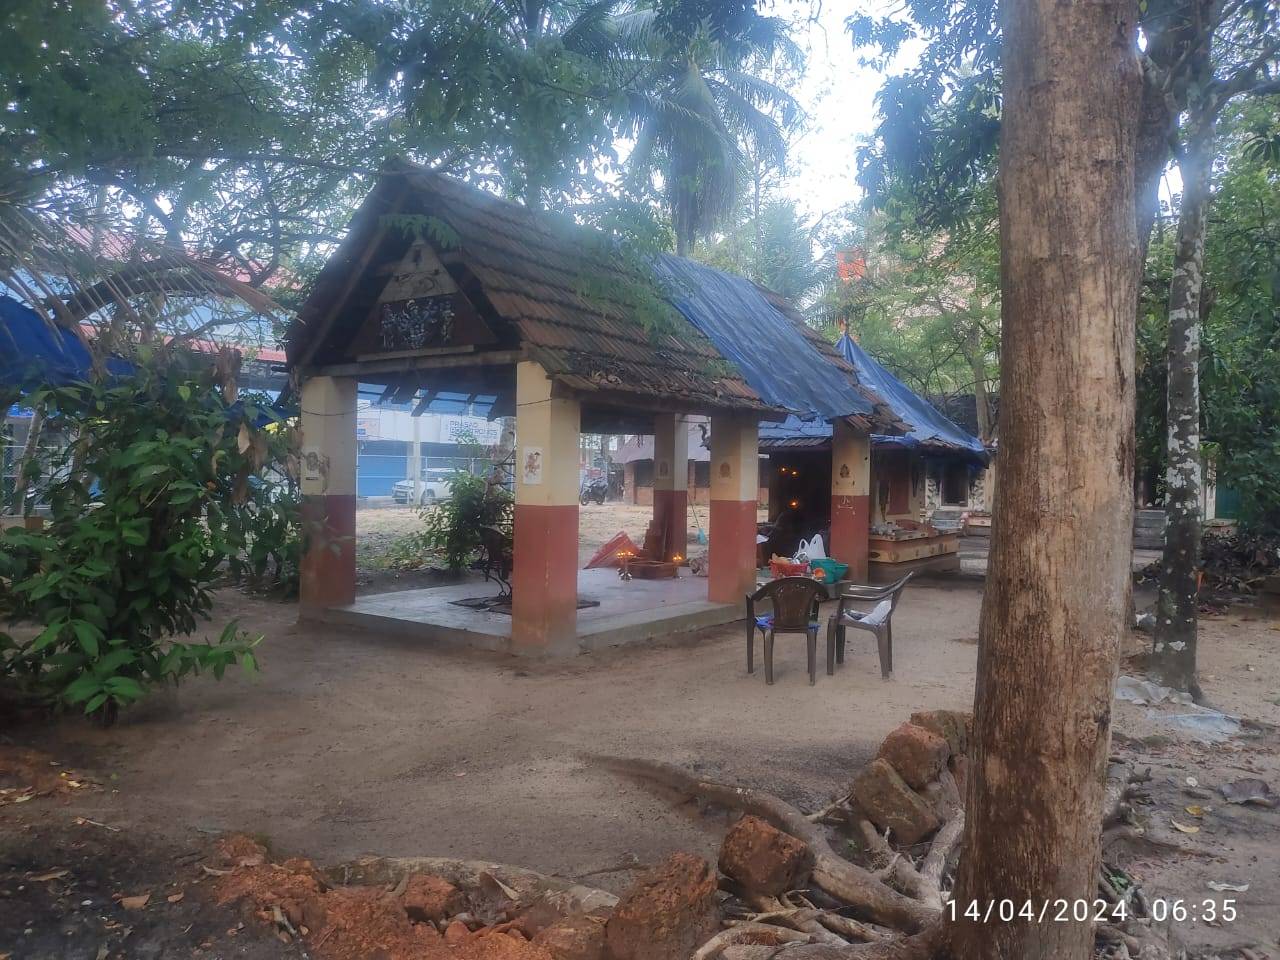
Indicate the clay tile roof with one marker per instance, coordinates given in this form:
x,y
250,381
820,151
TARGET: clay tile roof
x,y
558,291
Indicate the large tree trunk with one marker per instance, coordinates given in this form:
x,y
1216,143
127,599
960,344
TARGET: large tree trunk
x,y
1051,615
1177,616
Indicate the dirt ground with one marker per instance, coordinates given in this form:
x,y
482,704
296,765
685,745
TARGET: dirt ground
x,y
349,744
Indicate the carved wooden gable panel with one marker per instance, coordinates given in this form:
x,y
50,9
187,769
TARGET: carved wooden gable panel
x,y
420,310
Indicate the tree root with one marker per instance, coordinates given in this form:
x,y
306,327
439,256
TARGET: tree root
x,y
897,869
747,932
843,880
921,946
829,809
804,919
564,895
909,919
1120,789
944,849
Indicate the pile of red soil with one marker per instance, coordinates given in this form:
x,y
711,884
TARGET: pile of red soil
x,y
423,918
26,773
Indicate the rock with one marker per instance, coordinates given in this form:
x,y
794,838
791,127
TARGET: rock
x,y
938,800
764,859
667,914
430,899
542,913
959,765
916,753
456,932
890,804
577,937
954,726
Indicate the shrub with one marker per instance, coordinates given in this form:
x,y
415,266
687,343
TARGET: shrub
x,y
453,527
157,493
451,533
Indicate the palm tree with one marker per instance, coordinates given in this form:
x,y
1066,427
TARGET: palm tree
x,y
693,104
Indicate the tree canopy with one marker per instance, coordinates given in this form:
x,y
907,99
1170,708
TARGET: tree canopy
x,y
243,135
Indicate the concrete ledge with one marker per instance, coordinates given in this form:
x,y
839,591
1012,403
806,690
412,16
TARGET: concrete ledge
x,y
628,612
444,635
649,625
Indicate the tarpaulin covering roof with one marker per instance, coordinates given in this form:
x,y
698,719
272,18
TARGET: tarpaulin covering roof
x,y
796,433
786,369
927,430
928,426
33,352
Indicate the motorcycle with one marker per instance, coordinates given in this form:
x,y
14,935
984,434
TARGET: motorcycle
x,y
593,488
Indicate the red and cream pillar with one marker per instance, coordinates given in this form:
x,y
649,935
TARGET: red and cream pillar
x,y
671,482
735,484
850,498
328,564
544,581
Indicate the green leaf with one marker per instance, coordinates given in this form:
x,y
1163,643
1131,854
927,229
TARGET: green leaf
x,y
125,688
82,688
113,661
47,636
88,635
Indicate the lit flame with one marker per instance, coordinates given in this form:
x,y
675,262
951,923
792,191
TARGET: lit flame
x,y
794,504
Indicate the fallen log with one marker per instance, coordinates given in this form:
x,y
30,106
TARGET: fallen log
x,y
844,880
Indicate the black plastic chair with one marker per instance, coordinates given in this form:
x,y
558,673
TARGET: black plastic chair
x,y
795,610
877,621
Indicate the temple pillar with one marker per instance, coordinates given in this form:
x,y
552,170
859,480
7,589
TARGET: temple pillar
x,y
544,578
327,567
850,498
735,484
671,483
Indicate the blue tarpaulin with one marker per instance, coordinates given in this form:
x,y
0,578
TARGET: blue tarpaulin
x,y
778,362
32,352
929,428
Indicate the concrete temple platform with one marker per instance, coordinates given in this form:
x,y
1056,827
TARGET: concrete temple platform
x,y
629,611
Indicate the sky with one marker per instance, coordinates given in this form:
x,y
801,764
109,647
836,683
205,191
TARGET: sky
x,y
839,95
